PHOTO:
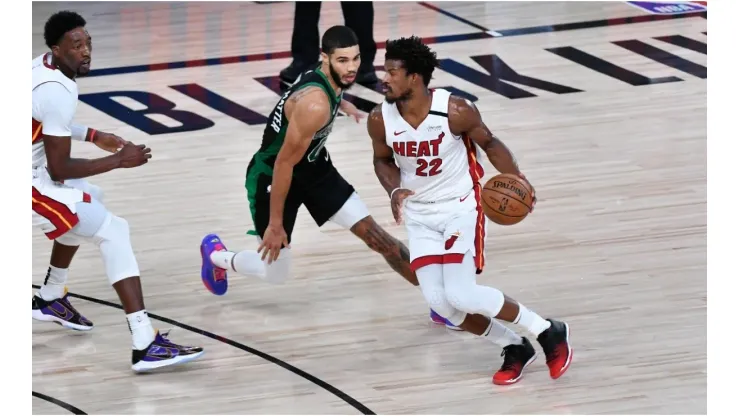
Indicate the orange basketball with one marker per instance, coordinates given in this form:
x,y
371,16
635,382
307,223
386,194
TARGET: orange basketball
x,y
506,199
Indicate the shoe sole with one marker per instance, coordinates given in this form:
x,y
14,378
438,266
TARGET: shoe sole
x,y
570,353
40,316
451,328
206,264
145,366
513,381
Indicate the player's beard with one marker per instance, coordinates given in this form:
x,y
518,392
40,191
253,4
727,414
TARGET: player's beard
x,y
405,96
338,79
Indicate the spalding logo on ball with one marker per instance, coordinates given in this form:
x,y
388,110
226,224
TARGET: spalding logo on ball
x,y
506,199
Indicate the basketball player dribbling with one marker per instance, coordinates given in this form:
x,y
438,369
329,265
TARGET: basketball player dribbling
x,y
293,168
69,210
425,156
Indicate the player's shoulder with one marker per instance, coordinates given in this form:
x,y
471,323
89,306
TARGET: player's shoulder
x,y
310,96
375,122
309,106
48,82
461,112
459,106
376,114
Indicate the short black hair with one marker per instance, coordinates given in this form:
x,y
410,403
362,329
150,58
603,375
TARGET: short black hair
x,y
59,24
338,37
417,58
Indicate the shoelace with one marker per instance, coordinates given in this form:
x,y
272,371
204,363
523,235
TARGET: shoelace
x,y
510,357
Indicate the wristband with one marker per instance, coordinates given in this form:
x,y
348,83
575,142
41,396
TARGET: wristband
x,y
394,191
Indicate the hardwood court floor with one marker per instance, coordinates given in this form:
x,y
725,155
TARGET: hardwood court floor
x,y
616,246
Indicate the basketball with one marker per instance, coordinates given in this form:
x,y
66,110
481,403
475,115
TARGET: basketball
x,y
506,199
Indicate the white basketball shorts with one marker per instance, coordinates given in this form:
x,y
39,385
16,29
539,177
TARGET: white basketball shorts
x,y
53,203
442,232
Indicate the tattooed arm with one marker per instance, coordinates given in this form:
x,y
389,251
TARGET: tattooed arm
x,y
307,110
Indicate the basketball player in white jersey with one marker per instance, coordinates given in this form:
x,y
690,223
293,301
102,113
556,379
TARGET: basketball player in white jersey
x,y
425,156
69,210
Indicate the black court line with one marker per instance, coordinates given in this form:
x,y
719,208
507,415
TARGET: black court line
x,y
482,33
66,406
454,16
315,380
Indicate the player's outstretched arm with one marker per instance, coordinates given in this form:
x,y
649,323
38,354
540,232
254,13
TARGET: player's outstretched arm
x,y
385,165
464,118
310,111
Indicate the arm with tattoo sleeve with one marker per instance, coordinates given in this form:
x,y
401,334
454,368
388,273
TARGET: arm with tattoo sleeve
x,y
307,110
309,113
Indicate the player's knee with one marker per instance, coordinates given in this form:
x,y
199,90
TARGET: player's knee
x,y
279,271
114,242
69,239
461,295
353,211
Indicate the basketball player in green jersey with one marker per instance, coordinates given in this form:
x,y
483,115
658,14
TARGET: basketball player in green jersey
x,y
293,168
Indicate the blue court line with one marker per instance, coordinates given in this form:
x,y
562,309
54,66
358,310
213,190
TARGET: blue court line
x,y
483,33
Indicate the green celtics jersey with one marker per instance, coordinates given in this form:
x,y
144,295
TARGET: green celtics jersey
x,y
277,125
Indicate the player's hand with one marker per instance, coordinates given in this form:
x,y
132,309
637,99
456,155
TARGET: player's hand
x,y
274,240
108,141
397,199
534,196
351,110
132,155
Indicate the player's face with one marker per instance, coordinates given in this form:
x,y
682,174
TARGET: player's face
x,y
396,82
74,51
343,65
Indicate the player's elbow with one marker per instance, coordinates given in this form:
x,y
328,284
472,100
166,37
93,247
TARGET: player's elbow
x,y
56,173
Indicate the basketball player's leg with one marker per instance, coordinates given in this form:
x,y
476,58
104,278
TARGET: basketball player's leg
x,y
218,260
111,235
332,198
51,303
464,236
63,251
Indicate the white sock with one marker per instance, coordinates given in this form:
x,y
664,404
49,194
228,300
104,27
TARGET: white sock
x,y
223,259
141,329
530,320
53,287
246,262
501,335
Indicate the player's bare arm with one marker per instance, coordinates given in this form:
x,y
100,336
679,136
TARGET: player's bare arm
x,y
106,141
308,110
386,169
464,118
61,166
394,252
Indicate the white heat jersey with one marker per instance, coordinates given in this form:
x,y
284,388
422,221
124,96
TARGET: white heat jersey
x,y
54,102
436,164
